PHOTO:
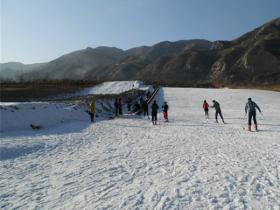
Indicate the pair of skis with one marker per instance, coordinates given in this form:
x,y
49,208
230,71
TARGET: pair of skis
x,y
246,129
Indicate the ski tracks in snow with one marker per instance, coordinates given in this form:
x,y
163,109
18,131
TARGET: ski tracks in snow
x,y
189,163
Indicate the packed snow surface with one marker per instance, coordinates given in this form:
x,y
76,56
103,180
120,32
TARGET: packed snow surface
x,y
127,163
19,116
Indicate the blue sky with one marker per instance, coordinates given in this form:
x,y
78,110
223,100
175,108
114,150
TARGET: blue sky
x,y
42,30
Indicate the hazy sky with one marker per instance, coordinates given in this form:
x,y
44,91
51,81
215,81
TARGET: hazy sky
x,y
42,30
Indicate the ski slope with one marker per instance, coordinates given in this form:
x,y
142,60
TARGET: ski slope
x,y
127,163
115,87
106,88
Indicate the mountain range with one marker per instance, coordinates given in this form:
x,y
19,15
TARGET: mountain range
x,y
253,58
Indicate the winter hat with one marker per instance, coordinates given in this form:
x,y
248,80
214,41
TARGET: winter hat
x,y
249,99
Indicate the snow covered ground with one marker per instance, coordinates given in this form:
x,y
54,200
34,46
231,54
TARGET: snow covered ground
x,y
126,163
115,87
16,117
19,116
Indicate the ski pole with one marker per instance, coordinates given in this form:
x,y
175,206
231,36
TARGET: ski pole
x,y
262,115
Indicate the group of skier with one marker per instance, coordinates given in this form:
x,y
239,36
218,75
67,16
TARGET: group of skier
x,y
250,108
217,108
143,107
155,108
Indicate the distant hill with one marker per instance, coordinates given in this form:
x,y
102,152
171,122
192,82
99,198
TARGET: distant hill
x,y
15,70
77,64
134,65
253,58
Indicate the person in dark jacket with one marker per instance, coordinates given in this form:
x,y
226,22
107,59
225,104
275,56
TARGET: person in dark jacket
x,y
218,110
136,107
165,111
120,106
148,95
141,103
251,106
154,112
145,108
116,105
205,106
128,107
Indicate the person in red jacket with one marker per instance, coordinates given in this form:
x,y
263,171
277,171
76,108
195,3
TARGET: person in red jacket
x,y
165,111
205,106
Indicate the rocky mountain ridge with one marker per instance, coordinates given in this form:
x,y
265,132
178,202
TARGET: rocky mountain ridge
x,y
253,58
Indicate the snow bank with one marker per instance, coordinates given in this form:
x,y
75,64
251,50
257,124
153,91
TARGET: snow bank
x,y
116,87
19,116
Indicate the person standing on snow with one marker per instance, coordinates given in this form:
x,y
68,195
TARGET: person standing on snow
x,y
92,110
148,95
128,106
154,112
141,103
205,106
218,110
251,106
116,105
165,111
145,108
136,107
120,106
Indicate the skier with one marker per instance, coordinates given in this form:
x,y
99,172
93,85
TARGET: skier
x,y
120,106
165,111
141,103
145,108
217,107
136,107
128,106
154,112
116,104
251,105
92,110
205,106
148,95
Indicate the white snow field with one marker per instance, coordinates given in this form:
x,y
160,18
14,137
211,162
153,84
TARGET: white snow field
x,y
19,116
127,163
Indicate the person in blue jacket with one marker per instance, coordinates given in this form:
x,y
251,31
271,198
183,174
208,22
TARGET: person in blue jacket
x,y
250,107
